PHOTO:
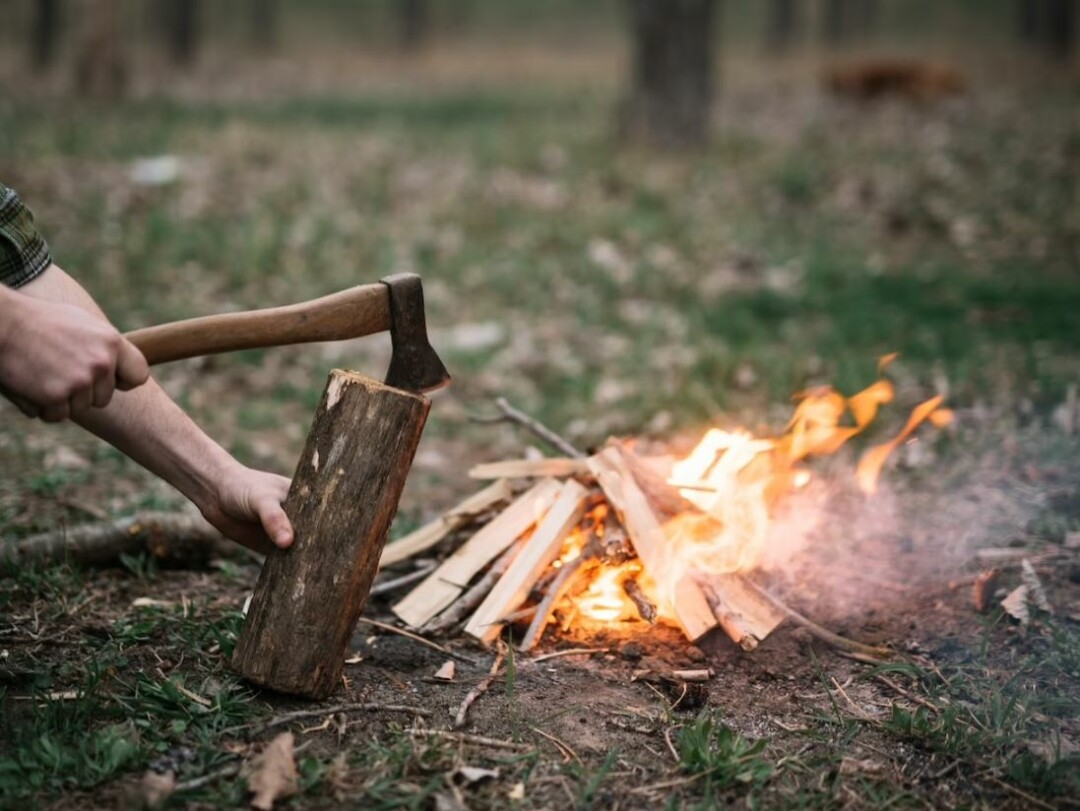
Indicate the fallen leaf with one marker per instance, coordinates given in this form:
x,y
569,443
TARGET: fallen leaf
x,y
850,765
444,801
273,773
517,792
982,590
1036,592
446,671
64,458
155,788
1016,604
467,775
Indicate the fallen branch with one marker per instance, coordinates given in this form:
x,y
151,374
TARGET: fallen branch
x,y
367,706
477,691
511,414
645,607
817,631
476,740
417,638
178,538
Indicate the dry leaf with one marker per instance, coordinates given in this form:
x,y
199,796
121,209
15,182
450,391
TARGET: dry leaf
x,y
982,590
1016,604
273,773
1036,592
517,792
467,775
446,671
155,788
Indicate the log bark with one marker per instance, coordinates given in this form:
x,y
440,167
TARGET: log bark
x,y
343,497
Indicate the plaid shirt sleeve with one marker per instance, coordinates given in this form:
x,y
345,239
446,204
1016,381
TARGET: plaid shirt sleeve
x,y
23,252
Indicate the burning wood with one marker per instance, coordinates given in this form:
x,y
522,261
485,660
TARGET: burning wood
x,y
618,537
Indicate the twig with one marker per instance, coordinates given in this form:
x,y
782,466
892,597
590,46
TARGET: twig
x,y
386,586
564,748
477,691
555,591
907,694
645,607
569,652
417,638
670,744
1022,794
257,728
511,414
478,740
225,771
815,630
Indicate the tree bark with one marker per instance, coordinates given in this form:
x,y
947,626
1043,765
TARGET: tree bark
x,y
1060,28
46,33
670,99
264,16
784,23
101,67
183,31
414,23
343,497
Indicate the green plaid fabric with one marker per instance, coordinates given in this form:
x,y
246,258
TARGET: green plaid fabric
x,y
23,252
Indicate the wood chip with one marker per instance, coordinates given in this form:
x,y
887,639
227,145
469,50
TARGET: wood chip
x,y
446,671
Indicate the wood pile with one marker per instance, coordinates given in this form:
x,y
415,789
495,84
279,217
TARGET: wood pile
x,y
512,533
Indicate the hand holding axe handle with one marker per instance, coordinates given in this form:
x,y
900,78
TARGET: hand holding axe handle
x,y
396,303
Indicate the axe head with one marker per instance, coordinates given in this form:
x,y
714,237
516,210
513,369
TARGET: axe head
x,y
414,366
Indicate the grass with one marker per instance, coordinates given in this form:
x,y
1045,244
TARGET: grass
x,y
626,285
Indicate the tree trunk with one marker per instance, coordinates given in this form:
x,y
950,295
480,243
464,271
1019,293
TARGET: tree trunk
x,y
784,22
836,21
46,33
265,15
1060,28
101,66
414,21
670,99
343,497
181,20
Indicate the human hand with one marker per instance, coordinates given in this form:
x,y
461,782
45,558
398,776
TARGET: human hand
x,y
61,359
245,506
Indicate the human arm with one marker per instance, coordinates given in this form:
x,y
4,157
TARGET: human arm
x,y
145,424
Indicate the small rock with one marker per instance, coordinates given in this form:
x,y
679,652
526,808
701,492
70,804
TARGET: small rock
x,y
632,651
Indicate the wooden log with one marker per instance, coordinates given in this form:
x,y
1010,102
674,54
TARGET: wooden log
x,y
430,534
440,588
647,536
540,550
742,611
559,468
343,497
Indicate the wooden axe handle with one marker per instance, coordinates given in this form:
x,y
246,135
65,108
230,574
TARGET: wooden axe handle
x,y
349,314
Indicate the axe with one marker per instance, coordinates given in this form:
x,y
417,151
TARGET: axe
x,y
396,303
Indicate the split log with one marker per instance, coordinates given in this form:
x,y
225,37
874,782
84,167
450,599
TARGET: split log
x,y
343,497
180,539
559,468
430,534
742,611
461,608
538,553
687,600
446,583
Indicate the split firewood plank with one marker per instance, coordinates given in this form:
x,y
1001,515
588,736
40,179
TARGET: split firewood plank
x,y
687,600
440,588
559,468
343,497
463,606
538,553
430,534
742,611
